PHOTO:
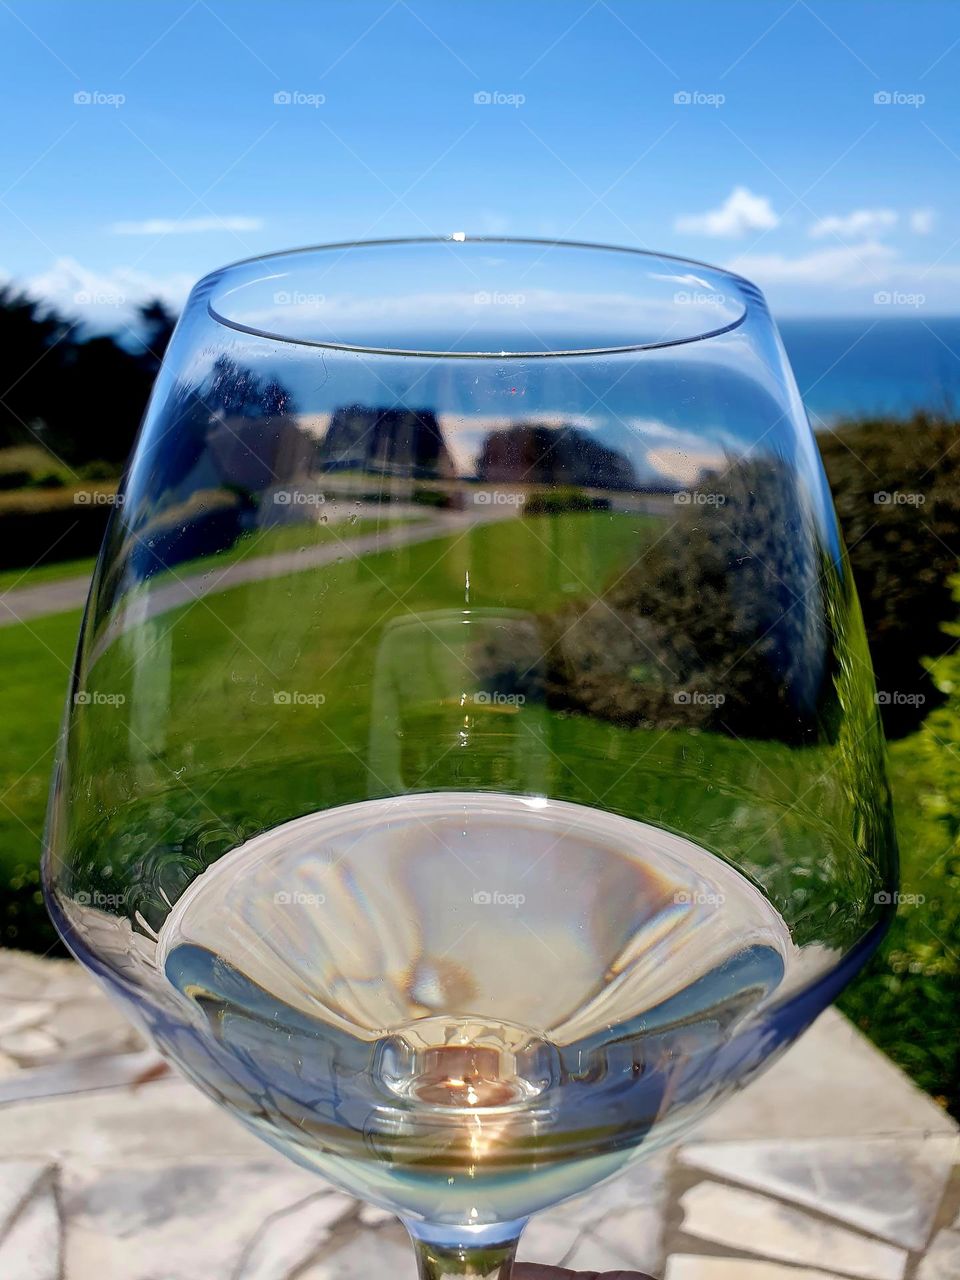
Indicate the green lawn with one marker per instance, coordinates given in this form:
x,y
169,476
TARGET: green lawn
x,y
16,579
337,684
187,768
268,542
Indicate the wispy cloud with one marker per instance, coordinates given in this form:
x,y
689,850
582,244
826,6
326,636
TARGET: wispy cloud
x,y
740,213
184,226
865,263
921,221
104,300
865,223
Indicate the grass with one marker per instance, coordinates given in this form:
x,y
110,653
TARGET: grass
x,y
207,656
35,659
268,542
338,683
18,579
183,770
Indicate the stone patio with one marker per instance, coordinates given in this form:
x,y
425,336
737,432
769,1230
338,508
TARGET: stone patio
x,y
831,1166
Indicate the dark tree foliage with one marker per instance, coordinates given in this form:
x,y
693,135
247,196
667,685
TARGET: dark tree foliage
x,y
896,487
156,325
34,342
83,397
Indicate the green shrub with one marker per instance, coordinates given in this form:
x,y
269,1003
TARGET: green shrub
x,y
438,498
554,502
29,464
896,487
98,470
908,999
42,525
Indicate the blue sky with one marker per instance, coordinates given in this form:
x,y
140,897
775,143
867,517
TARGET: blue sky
x,y
176,157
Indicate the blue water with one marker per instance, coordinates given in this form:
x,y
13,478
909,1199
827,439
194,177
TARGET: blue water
x,y
859,366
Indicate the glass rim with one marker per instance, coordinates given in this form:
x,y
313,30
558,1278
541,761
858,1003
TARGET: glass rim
x,y
747,293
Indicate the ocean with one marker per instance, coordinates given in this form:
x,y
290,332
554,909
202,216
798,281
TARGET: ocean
x,y
855,367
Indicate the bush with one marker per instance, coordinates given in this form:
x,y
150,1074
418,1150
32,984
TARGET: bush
x,y
896,486
555,502
39,526
31,464
48,480
98,470
438,498
908,998
710,607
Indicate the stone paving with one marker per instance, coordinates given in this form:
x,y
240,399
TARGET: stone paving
x,y
830,1167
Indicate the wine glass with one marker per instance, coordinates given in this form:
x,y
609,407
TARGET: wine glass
x,y
471,772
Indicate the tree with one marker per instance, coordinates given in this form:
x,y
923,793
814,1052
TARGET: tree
x,y
157,323
34,341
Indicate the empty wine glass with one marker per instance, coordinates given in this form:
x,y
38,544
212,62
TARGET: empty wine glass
x,y
471,772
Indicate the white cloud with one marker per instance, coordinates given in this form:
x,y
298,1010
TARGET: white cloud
x,y
104,300
921,221
861,222
850,274
845,265
741,212
184,226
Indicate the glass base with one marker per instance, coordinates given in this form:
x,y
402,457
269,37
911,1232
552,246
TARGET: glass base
x,y
478,1256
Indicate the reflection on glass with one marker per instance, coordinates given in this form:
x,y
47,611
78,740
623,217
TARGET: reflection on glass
x,y
471,772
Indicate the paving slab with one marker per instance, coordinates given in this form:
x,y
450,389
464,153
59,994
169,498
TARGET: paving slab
x,y
888,1187
756,1224
685,1266
942,1261
830,1165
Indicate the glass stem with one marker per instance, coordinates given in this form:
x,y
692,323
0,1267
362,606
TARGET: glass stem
x,y
445,1261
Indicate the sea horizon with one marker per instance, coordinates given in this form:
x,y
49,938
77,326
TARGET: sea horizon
x,y
861,366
